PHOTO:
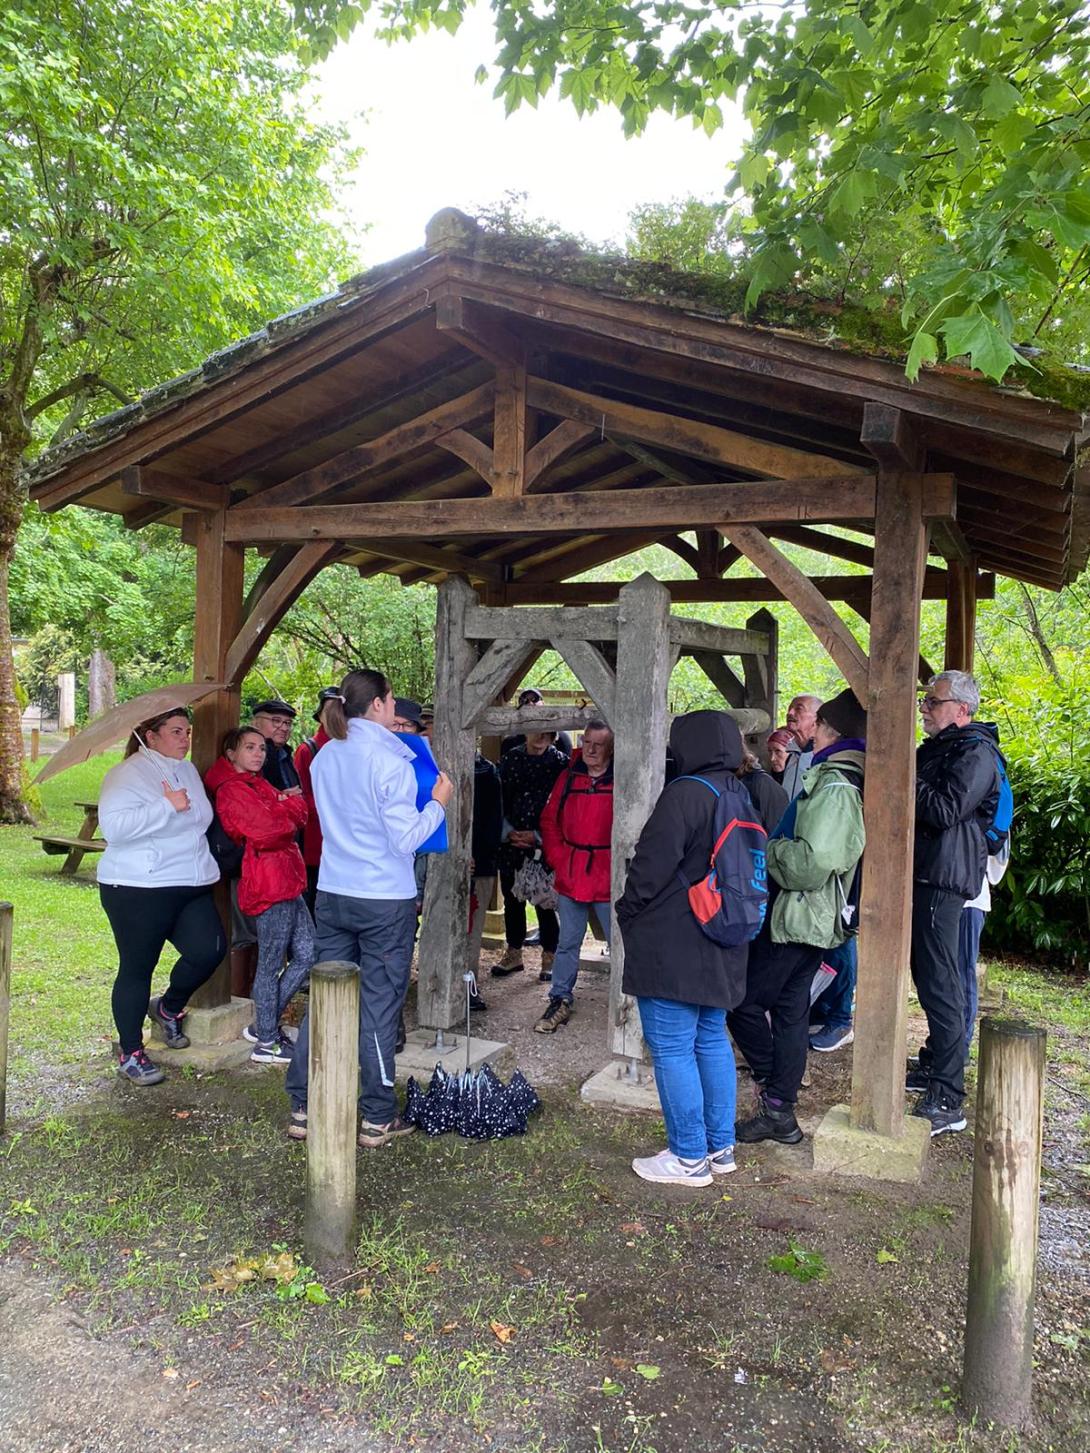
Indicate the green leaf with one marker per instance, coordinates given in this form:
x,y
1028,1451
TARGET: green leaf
x,y
754,170
648,1370
864,39
925,349
974,334
999,98
884,1257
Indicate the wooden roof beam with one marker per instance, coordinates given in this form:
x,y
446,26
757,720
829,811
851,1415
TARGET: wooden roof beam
x,y
818,540
154,484
850,588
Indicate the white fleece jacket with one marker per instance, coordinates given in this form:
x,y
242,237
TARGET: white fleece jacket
x,y
150,845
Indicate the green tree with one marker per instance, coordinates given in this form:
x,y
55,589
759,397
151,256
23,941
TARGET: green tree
x,y
965,122
161,191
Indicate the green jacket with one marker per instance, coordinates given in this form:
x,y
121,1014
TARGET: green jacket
x,y
814,869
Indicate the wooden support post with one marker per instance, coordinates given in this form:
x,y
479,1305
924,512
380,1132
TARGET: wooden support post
x,y
960,616
900,556
219,611
509,432
998,1381
333,1066
644,659
35,743
762,673
444,941
7,919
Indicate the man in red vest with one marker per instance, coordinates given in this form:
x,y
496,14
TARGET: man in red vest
x,y
576,833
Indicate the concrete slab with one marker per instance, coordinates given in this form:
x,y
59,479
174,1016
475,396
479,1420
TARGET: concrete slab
x,y
841,1149
219,1025
593,957
208,1057
611,1086
420,1056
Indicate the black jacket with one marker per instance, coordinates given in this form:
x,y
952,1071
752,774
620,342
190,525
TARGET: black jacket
x,y
769,797
957,790
487,817
666,953
279,768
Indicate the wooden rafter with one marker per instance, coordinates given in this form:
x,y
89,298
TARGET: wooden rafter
x,y
154,484
271,607
848,588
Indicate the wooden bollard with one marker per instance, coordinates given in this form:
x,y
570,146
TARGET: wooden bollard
x,y
71,733
7,920
330,1217
998,1381
35,743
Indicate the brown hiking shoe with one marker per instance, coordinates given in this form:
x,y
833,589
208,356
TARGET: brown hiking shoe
x,y
371,1136
556,1014
511,963
546,973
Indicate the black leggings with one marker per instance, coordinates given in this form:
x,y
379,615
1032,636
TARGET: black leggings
x,y
143,920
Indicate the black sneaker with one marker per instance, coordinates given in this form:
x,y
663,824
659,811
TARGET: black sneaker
x,y
557,1012
170,1024
917,1082
771,1122
477,1004
139,1069
945,1114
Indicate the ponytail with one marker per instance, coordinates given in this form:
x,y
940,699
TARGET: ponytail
x,y
358,690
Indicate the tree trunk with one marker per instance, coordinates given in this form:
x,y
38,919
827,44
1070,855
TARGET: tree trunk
x,y
12,807
101,684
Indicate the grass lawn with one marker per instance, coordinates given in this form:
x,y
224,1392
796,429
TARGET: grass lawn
x,y
530,1294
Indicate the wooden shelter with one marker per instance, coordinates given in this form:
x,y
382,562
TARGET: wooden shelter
x,y
510,414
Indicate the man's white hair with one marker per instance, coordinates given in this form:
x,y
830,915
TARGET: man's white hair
x,y
963,687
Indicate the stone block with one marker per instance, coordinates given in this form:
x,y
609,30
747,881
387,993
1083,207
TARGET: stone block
x,y
420,1056
613,1087
841,1149
219,1024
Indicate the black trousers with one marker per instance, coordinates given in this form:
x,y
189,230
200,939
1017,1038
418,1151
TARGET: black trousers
x,y
771,1026
514,918
936,919
143,921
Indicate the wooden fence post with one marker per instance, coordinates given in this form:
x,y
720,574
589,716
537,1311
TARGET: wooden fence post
x,y
330,1216
998,1377
7,919
35,743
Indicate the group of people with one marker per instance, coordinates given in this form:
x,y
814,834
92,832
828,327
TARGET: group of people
x,y
334,841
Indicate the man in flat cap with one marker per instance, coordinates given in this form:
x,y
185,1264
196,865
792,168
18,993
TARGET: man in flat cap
x,y
274,720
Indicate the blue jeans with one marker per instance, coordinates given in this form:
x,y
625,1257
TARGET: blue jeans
x,y
833,1008
694,1072
574,918
377,934
969,931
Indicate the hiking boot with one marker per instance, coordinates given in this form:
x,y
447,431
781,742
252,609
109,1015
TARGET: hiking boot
x,y
557,1012
828,1039
139,1069
545,974
297,1125
917,1082
170,1024
945,1114
477,1004
371,1136
668,1169
722,1162
771,1122
276,1053
511,963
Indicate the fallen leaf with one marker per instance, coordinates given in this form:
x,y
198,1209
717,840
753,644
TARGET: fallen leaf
x,y
501,1331
548,1241
523,1271
170,1372
191,1385
648,1370
622,1364
432,1267
408,1336
633,1228
835,1362
884,1257
449,1326
181,1114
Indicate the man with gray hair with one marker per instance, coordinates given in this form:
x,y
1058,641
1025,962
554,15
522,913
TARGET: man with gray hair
x,y
801,720
957,790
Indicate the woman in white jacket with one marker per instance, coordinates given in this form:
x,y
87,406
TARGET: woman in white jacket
x,y
155,880
365,907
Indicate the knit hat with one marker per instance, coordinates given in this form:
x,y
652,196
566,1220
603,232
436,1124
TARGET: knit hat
x,y
844,714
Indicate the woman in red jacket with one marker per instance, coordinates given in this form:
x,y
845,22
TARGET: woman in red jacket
x,y
271,887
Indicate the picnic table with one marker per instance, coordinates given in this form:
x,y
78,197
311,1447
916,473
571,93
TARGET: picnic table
x,y
75,848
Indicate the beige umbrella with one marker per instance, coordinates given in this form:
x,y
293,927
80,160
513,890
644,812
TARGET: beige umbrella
x,y
114,726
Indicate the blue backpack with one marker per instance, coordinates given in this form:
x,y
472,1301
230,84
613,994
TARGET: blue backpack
x,y
730,901
997,833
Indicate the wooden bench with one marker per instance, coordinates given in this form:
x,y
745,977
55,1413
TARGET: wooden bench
x,y
75,848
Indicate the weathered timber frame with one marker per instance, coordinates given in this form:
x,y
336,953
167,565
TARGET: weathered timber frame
x,y
460,417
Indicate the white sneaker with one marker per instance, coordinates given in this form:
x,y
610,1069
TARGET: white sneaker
x,y
667,1169
722,1162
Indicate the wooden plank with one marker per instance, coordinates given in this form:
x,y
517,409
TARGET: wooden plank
x,y
820,540
509,432
155,484
948,540
403,440
960,616
576,513
762,672
148,514
440,559
684,436
601,624
444,943
491,673
644,658
549,560
274,603
878,1069
747,589
503,721
592,669
705,636
809,602
471,451
565,439
474,330
730,688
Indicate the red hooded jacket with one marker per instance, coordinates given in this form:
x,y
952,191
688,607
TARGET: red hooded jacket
x,y
312,833
576,827
254,813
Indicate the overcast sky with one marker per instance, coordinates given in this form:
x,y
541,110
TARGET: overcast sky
x,y
434,138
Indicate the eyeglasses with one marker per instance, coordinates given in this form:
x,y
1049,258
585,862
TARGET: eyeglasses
x,y
932,701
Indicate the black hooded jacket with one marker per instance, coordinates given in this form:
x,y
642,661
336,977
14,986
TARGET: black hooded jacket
x,y
666,953
957,790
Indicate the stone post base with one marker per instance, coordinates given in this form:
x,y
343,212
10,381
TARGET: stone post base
x,y
615,1087
841,1149
420,1055
217,1025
